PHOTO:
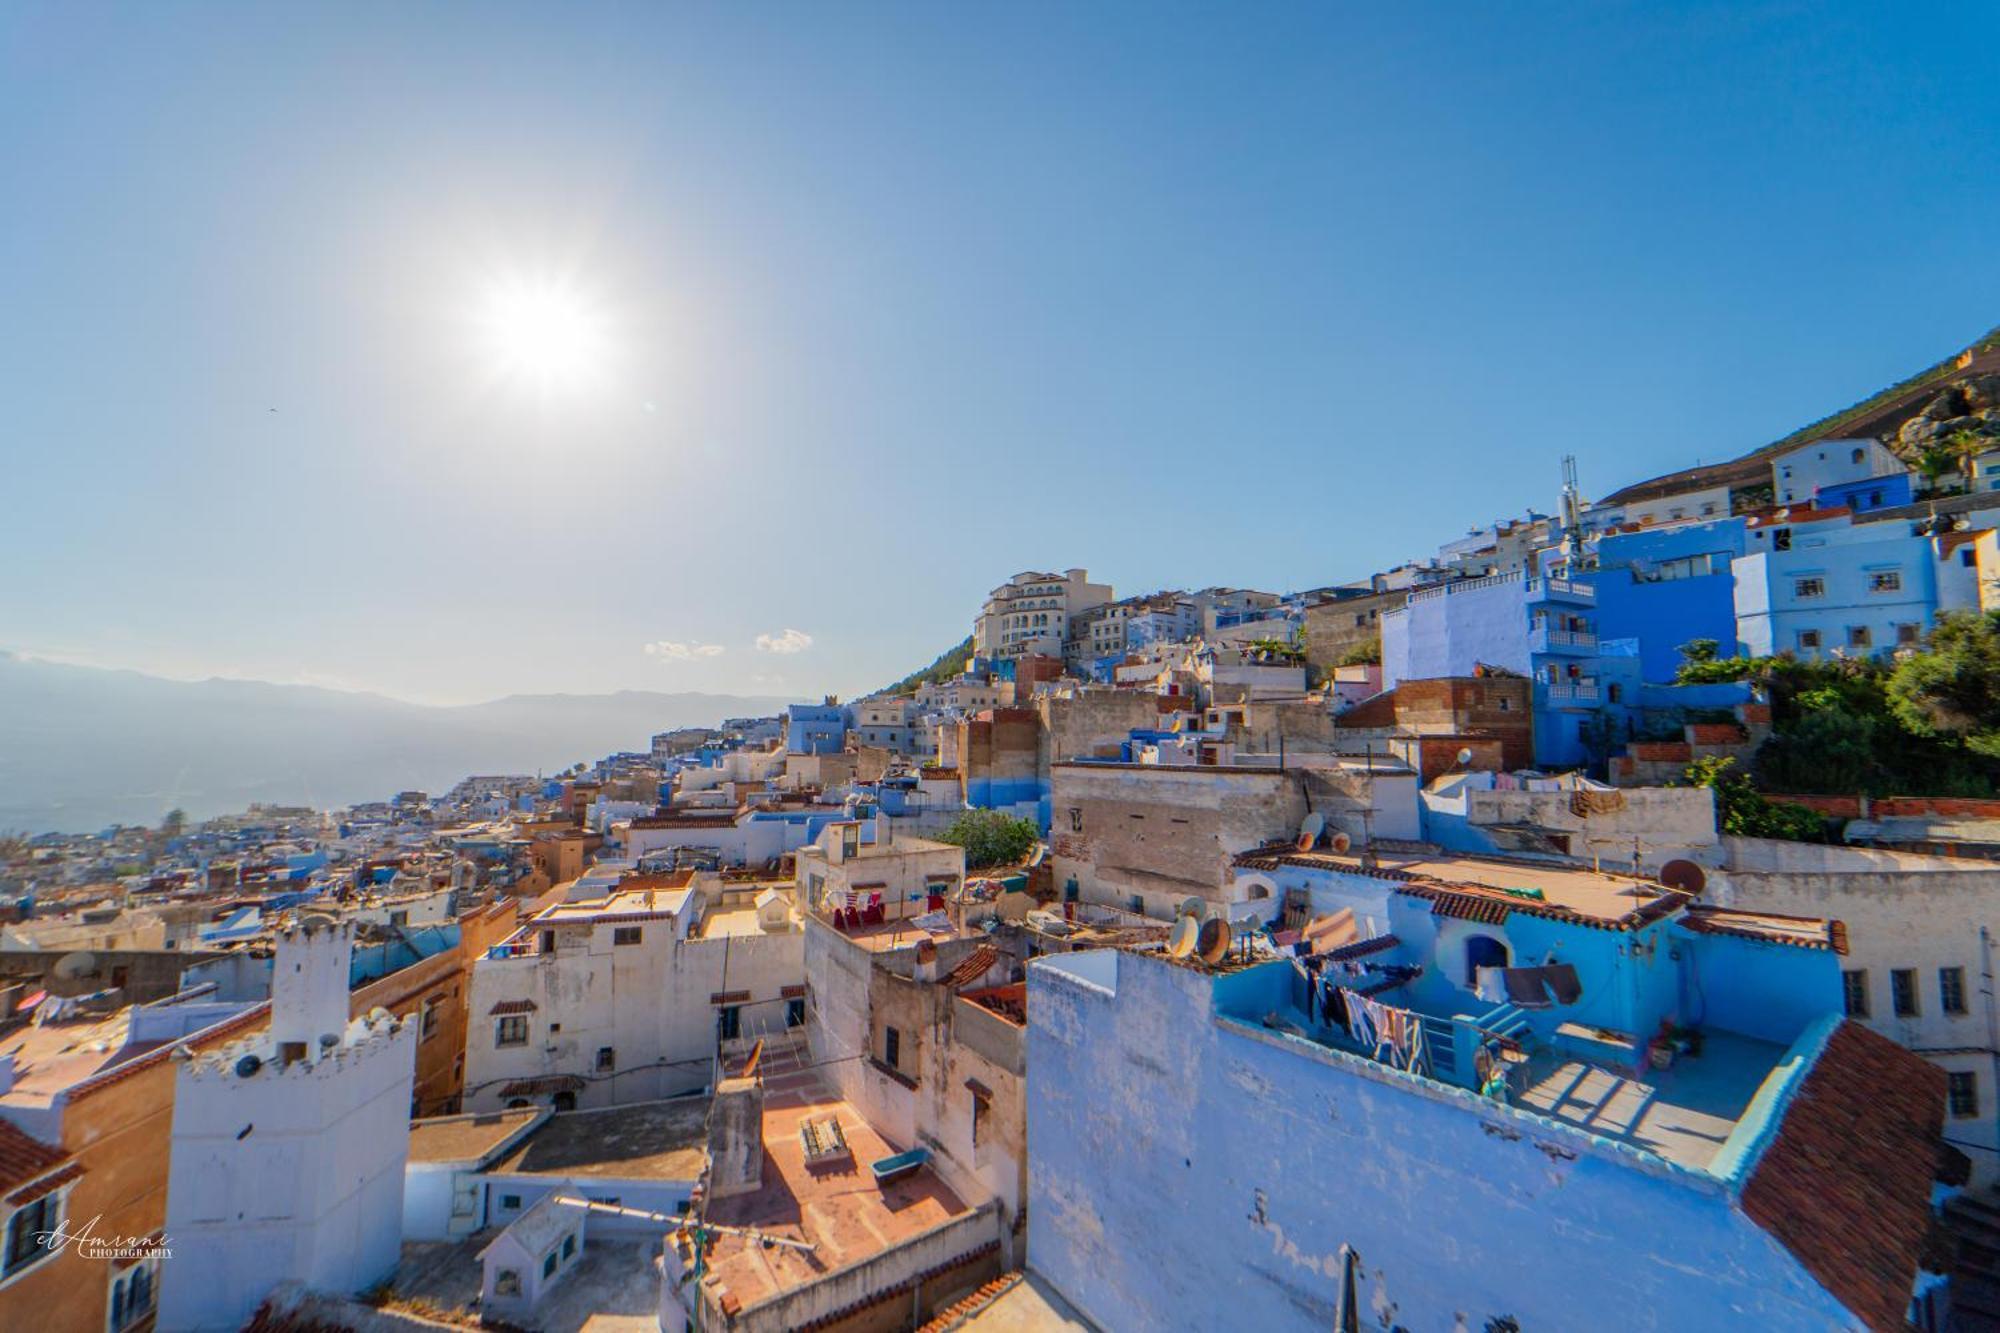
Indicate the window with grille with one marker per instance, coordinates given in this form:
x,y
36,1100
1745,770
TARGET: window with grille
x,y
1903,992
1854,990
627,934
1951,989
511,1030
1962,1093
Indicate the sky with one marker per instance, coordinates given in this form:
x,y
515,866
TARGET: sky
x,y
838,316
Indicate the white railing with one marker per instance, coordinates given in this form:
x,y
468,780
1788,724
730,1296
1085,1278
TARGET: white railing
x,y
1582,693
1562,588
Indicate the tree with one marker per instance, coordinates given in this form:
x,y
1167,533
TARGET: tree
x,y
991,838
1366,653
1699,650
1953,688
174,823
1740,810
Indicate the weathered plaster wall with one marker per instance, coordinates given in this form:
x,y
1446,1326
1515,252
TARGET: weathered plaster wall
x,y
1184,1175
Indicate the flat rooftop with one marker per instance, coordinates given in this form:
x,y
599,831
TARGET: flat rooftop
x,y
620,902
1015,1302
465,1138
899,933
837,1207
1570,888
665,1140
721,921
51,1058
1683,1114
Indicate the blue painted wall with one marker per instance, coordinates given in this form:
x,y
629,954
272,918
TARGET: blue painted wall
x,y
1664,615
1870,493
1190,1173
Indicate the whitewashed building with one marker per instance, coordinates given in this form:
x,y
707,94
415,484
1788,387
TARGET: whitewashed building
x,y
289,1147
626,997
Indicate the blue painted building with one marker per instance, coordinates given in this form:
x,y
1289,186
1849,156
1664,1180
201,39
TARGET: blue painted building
x,y
1209,1148
815,728
1664,587
1542,628
1817,589
1868,493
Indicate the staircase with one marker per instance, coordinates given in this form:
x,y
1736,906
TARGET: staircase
x,y
1975,1280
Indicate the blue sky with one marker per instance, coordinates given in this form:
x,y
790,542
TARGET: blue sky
x,y
896,301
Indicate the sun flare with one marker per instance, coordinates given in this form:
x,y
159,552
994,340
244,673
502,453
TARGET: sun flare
x,y
546,334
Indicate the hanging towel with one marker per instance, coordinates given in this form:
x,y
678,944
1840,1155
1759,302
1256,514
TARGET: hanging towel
x,y
1526,987
1492,986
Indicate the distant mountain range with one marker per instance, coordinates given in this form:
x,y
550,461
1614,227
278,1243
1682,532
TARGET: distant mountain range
x,y
83,747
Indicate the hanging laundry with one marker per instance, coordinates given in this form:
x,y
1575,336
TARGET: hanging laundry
x,y
1492,985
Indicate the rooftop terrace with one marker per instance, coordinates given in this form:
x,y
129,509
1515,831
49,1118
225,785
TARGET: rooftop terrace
x,y
665,1140
837,1207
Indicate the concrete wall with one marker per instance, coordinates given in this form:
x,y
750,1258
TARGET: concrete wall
x,y
291,1172
1924,920
1162,834
1184,1174
1663,822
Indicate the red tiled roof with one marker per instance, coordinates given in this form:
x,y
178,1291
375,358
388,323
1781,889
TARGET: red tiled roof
x,y
24,1159
45,1186
1802,932
513,1007
974,966
1846,1183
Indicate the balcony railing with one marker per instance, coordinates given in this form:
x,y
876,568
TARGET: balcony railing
x,y
1571,692
1560,590
1547,639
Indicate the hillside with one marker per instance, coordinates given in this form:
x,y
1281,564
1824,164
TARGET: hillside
x,y
947,664
81,748
1880,416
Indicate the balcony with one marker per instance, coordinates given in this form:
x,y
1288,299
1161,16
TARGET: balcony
x,y
1565,642
1571,692
1561,590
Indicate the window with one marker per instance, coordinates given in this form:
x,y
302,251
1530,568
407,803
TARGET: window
x,y
510,1203
1951,990
1909,632
569,1245
1612,692
892,1048
400,917
1857,455
627,934
1886,580
132,1293
1781,539
1075,819
1506,705
1482,951
795,1013
730,1018
1968,557
1809,587
1962,1093
549,1265
981,1108
1857,636
511,1030
1854,990
430,1024
607,1059
1808,640
24,1229
1903,991
507,1283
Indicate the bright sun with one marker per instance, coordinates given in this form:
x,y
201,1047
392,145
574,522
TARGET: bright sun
x,y
546,334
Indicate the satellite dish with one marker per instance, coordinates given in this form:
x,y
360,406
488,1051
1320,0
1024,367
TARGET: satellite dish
x,y
1213,942
1194,907
1312,826
1465,756
1341,842
1249,924
248,1066
327,1041
1181,943
75,966
379,1015
1783,514
1684,875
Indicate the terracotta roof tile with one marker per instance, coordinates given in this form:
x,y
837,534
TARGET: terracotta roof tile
x,y
23,1159
975,965
1846,1183
512,1007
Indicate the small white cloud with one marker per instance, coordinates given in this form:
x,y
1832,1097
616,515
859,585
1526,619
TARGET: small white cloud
x,y
789,641
674,651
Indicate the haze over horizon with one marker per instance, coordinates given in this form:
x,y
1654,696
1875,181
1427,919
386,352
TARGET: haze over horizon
x,y
452,355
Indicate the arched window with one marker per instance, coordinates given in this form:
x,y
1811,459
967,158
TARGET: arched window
x,y
1482,951
1858,454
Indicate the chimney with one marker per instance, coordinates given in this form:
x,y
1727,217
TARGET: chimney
x,y
736,1137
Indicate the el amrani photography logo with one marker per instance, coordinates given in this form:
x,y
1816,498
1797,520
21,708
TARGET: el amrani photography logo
x,y
90,1243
